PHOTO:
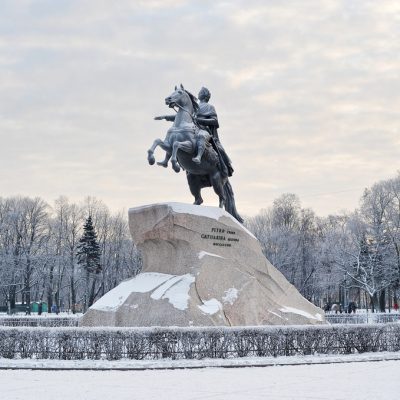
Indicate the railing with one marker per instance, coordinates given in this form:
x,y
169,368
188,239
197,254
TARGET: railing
x,y
362,318
73,320
196,343
28,321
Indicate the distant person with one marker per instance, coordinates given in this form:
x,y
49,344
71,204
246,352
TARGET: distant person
x,y
395,307
40,308
54,309
352,307
336,308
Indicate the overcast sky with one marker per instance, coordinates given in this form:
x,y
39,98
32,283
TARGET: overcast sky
x,y
307,94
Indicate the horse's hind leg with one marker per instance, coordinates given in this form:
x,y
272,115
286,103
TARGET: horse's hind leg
x,y
217,183
194,182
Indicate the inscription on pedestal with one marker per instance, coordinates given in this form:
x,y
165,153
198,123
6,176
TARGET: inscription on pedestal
x,y
221,237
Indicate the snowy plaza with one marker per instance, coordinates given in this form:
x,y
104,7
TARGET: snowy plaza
x,y
355,381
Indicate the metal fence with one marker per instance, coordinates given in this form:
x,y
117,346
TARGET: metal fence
x,y
362,318
40,321
196,343
73,320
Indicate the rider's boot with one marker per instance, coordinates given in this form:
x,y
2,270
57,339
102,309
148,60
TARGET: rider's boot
x,y
201,146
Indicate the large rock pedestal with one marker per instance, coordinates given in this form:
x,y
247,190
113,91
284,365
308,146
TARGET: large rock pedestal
x,y
200,267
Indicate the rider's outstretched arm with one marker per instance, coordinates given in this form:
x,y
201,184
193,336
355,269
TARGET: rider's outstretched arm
x,y
166,117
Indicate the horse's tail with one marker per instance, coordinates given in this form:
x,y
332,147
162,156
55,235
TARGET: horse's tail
x,y
230,205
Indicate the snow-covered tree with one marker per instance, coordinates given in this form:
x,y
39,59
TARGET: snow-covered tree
x,y
88,254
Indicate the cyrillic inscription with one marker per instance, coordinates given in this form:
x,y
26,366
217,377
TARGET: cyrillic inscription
x,y
221,237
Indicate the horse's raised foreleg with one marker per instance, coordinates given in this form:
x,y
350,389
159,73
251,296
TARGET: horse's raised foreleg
x,y
165,146
164,163
150,152
186,146
168,152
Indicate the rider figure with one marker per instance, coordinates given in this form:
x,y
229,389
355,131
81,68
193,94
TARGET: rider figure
x,y
207,120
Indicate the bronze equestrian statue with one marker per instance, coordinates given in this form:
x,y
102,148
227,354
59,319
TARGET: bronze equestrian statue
x,y
192,143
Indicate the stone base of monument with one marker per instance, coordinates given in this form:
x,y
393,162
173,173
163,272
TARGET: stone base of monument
x,y
200,268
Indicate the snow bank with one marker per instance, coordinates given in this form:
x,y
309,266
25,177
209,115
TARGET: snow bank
x,y
47,364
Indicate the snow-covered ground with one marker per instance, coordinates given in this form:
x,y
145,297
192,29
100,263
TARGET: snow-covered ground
x,y
27,363
355,381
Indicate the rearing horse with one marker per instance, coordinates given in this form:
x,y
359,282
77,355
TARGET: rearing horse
x,y
180,146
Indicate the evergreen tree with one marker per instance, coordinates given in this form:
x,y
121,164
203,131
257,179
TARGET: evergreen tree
x,y
88,248
88,254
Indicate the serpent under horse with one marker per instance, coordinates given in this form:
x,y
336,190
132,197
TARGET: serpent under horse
x,y
180,146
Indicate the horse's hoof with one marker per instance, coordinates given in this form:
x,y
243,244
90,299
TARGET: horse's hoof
x,y
175,165
196,160
162,164
198,202
150,158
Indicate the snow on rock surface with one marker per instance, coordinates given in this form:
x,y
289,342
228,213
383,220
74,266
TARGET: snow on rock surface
x,y
176,290
293,310
201,211
142,283
201,267
165,286
230,295
211,306
205,253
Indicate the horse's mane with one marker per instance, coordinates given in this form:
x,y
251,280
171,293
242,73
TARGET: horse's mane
x,y
193,99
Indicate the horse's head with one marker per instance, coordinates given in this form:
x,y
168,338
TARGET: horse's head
x,y
182,98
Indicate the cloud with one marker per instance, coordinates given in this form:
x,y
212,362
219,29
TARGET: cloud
x,y
307,96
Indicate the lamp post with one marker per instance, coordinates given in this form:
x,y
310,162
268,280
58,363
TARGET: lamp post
x,y
345,292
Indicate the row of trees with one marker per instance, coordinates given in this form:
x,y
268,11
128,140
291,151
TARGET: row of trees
x,y
70,254
45,255
339,258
